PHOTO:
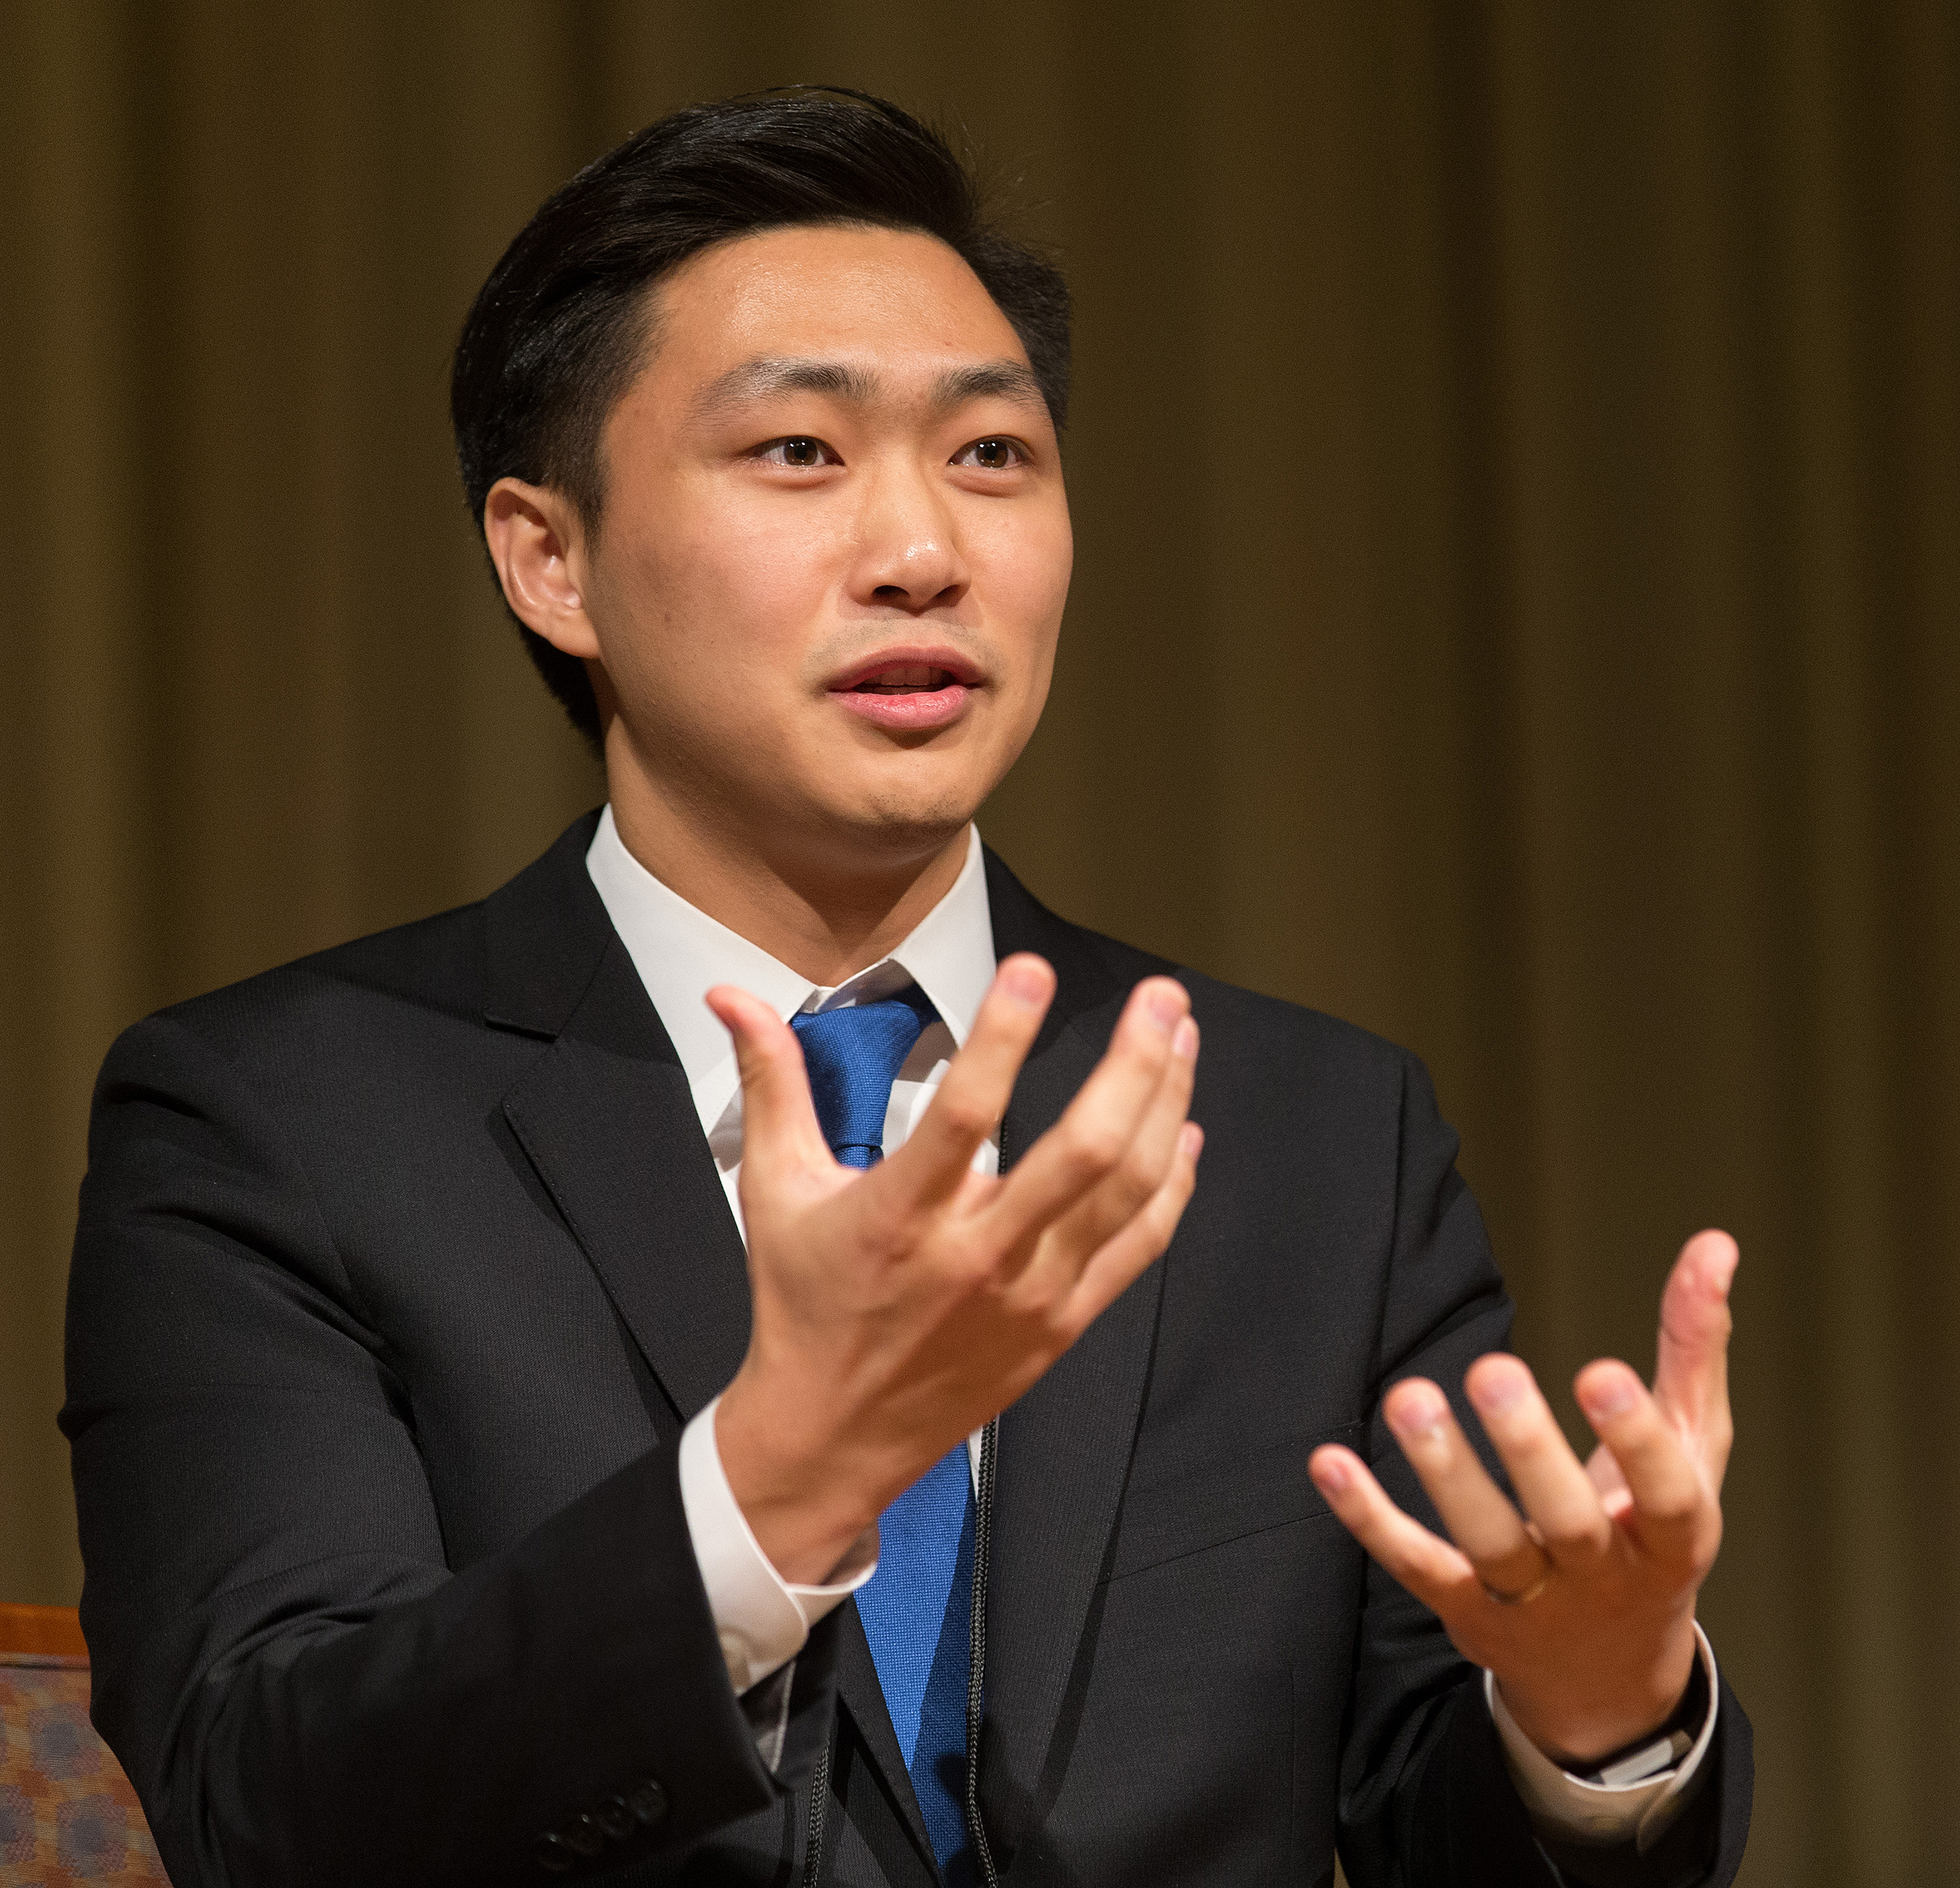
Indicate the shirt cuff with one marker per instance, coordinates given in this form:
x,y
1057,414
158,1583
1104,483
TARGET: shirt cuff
x,y
761,1621
1562,1805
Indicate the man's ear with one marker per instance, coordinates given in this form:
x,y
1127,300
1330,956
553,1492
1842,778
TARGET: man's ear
x,y
537,542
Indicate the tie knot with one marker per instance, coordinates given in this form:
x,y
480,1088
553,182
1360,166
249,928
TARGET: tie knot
x,y
854,1056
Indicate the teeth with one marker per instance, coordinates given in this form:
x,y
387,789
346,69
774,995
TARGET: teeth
x,y
904,678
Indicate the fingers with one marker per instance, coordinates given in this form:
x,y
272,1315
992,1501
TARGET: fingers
x,y
777,1112
1654,1481
1437,1574
1671,1507
1127,1254
1097,1132
1554,1490
1123,1193
1691,1373
974,1094
1479,1516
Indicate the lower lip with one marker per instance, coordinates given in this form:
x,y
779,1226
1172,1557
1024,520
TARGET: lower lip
x,y
908,713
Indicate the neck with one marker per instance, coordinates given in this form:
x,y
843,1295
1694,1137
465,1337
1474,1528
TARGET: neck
x,y
828,910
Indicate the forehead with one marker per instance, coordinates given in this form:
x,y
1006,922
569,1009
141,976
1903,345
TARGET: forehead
x,y
892,300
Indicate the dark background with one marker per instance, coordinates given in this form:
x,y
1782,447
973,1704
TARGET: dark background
x,y
1517,475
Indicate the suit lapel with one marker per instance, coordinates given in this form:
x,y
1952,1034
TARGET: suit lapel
x,y
1064,1447
861,1695
605,1117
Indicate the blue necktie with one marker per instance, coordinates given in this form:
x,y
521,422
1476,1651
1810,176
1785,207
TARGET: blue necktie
x,y
918,1607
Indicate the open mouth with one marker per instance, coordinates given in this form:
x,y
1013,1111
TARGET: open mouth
x,y
909,691
905,679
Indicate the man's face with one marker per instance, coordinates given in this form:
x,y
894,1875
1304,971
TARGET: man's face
x,y
830,575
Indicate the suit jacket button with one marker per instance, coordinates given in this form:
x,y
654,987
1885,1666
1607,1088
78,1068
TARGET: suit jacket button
x,y
615,1817
648,1802
553,1852
583,1835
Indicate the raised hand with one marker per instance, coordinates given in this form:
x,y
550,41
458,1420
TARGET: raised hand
x,y
897,1309
1582,1605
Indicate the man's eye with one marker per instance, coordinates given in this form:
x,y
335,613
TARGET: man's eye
x,y
991,455
797,451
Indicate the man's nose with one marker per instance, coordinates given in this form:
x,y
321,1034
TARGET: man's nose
x,y
909,556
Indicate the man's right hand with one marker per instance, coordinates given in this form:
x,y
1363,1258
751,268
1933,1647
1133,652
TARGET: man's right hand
x,y
897,1309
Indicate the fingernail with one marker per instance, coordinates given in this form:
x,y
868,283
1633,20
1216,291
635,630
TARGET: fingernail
x,y
1607,1397
1184,1042
1164,1005
1024,983
1418,1411
1331,1474
1190,1141
1496,1391
1722,1273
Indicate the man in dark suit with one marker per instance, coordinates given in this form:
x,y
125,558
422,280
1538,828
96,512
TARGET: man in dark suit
x,y
716,1364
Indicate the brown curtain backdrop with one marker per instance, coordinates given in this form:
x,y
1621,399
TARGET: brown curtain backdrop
x,y
1517,470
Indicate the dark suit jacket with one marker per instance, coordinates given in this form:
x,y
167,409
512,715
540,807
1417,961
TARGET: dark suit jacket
x,y
400,1271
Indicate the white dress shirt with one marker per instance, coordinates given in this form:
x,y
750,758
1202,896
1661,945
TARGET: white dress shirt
x,y
681,953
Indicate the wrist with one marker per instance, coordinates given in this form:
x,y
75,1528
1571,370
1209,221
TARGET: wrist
x,y
1657,1748
1580,1734
793,1489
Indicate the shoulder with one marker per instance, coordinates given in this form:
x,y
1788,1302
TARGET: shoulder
x,y
433,967
1251,1034
360,1029
407,988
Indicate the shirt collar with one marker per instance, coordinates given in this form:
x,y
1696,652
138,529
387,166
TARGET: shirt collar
x,y
681,953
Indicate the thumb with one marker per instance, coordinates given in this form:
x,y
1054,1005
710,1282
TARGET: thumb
x,y
778,1118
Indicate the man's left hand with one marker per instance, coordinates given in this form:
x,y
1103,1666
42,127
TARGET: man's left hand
x,y
1583,1606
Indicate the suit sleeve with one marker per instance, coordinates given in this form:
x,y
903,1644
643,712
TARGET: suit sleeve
x,y
300,1687
1426,1799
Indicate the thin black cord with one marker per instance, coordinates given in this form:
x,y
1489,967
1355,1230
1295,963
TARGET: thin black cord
x,y
976,1673
820,1795
976,1676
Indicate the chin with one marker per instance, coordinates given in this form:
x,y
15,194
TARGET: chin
x,y
897,826
914,798
912,823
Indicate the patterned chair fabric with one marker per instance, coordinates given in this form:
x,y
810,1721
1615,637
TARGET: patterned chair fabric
x,y
67,1816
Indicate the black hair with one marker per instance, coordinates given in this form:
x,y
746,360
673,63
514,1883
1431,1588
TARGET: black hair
x,y
557,333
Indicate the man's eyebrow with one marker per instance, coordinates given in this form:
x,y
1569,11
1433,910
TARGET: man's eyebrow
x,y
1001,379
771,376
766,378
